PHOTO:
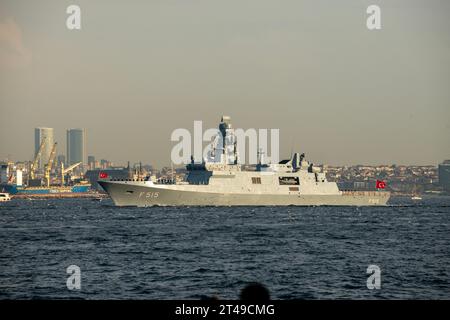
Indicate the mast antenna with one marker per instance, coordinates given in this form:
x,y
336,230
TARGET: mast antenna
x,y
292,147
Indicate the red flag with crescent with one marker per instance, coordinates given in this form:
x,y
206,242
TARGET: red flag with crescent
x,y
381,184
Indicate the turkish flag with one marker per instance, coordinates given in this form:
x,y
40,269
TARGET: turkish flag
x,y
381,184
103,175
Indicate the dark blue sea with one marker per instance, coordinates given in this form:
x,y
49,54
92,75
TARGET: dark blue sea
x,y
193,253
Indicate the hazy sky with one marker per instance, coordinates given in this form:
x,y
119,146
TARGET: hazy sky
x,y
137,70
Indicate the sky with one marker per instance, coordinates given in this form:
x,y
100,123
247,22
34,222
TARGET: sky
x,y
137,70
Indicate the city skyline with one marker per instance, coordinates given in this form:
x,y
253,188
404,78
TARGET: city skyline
x,y
337,91
63,145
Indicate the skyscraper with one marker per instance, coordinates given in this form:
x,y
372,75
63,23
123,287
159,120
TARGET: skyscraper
x,y
39,135
76,146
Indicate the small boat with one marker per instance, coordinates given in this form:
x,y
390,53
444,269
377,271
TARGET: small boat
x,y
415,195
4,197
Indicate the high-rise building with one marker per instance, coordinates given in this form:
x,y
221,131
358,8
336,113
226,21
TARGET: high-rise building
x,y
444,175
39,135
91,162
4,173
76,146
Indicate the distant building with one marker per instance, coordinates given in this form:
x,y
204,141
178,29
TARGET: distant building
x,y
444,175
76,146
39,135
91,162
105,164
4,173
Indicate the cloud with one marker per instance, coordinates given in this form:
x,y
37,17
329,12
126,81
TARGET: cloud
x,y
13,52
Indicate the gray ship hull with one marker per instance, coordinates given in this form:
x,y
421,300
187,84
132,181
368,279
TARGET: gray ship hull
x,y
133,194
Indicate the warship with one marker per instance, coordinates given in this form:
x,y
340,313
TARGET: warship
x,y
219,180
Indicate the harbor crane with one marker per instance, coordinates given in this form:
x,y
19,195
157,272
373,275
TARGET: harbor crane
x,y
49,165
64,171
36,158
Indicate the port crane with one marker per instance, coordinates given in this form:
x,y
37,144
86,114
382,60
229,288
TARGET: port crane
x,y
36,158
64,171
49,165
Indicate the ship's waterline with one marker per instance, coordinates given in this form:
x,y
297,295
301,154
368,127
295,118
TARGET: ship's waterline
x,y
219,180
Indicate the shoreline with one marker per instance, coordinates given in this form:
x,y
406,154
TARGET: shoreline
x,y
60,195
